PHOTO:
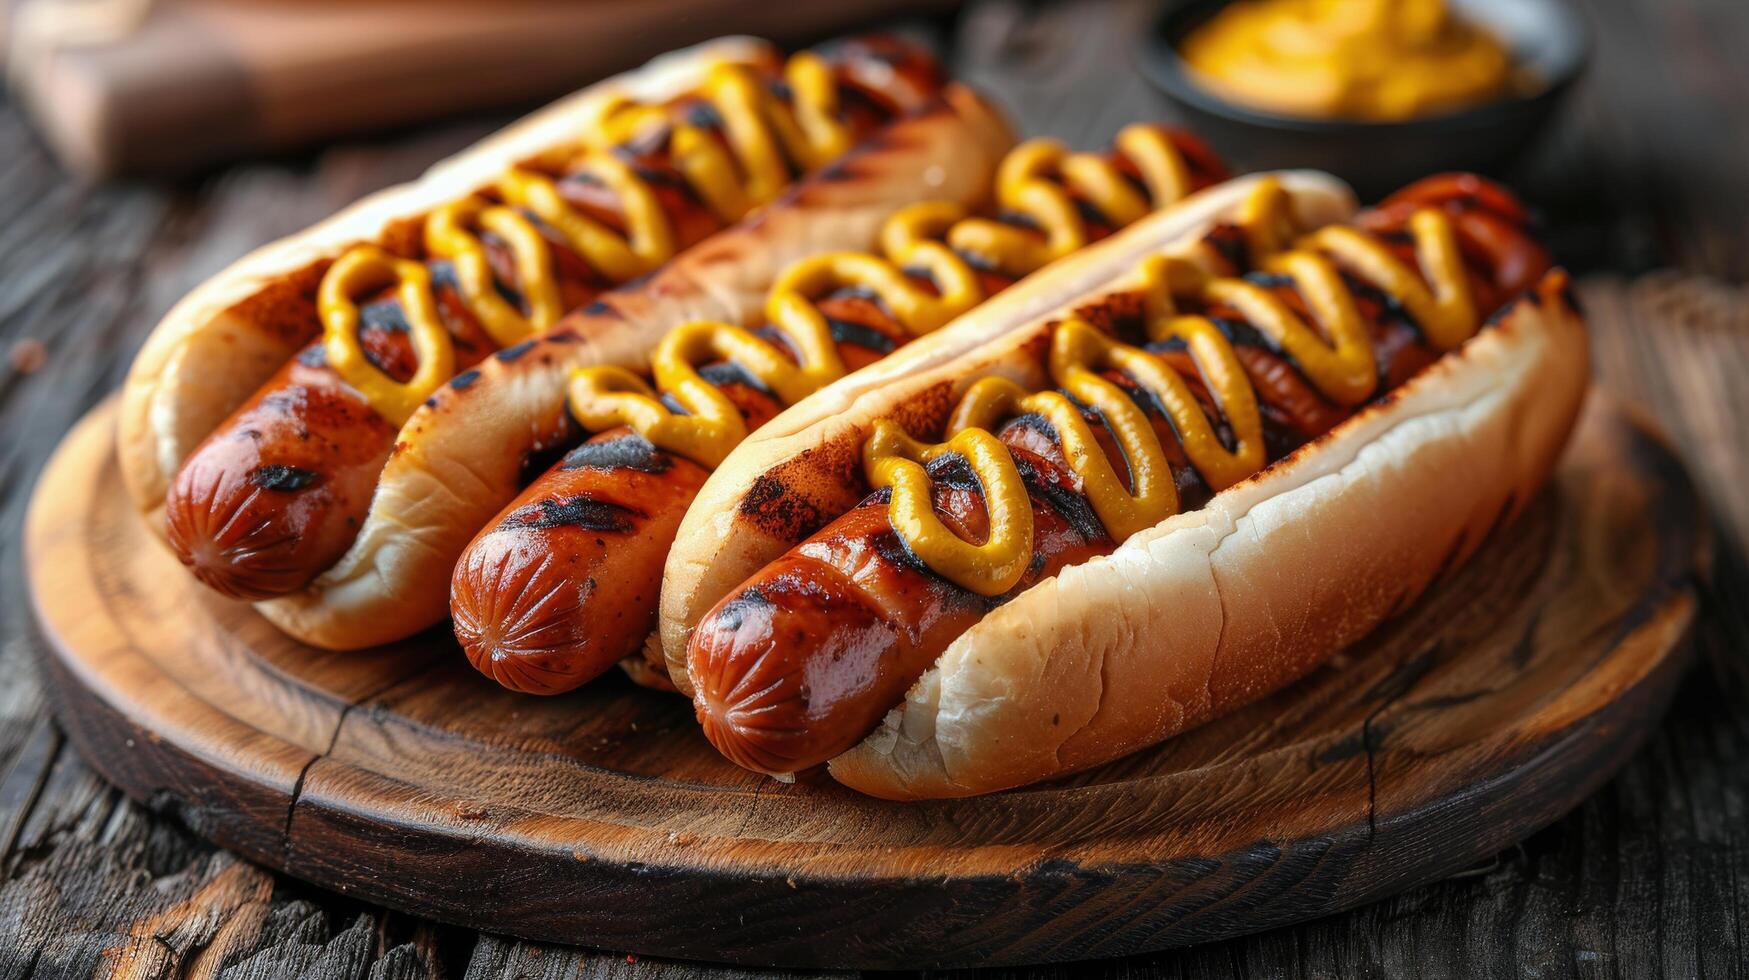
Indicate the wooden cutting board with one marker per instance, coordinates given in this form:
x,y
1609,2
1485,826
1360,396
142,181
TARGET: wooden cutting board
x,y
398,775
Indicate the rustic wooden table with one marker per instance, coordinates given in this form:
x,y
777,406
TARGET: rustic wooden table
x,y
1643,187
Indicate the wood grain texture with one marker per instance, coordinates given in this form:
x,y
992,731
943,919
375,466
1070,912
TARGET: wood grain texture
x,y
1497,703
1648,877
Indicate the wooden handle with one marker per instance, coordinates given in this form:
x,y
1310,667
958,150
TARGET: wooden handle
x,y
130,85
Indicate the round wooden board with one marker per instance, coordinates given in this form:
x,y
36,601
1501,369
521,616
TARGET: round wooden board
x,y
1493,705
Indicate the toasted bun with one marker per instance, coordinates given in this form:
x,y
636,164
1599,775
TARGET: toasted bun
x,y
218,345
461,458
1217,607
804,467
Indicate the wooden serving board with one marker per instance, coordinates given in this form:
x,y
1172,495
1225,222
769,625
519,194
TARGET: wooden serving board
x,y
400,776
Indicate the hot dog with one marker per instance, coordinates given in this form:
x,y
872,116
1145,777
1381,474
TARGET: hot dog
x,y
425,283
564,582
1166,501
275,495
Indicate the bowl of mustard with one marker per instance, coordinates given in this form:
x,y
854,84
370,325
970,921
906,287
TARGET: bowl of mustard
x,y
1378,92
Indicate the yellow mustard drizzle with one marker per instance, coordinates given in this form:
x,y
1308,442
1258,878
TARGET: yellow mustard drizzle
x,y
1340,367
1025,186
762,131
450,233
648,240
924,236
365,269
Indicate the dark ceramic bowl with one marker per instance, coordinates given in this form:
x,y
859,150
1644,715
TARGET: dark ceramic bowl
x,y
1376,157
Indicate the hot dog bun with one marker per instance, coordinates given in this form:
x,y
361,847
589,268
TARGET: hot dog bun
x,y
791,476
460,459
224,339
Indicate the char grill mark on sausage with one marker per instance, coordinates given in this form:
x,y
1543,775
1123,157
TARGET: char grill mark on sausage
x,y
593,515
628,452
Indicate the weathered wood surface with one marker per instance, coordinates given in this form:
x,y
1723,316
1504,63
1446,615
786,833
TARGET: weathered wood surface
x,y
1502,699
1649,877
